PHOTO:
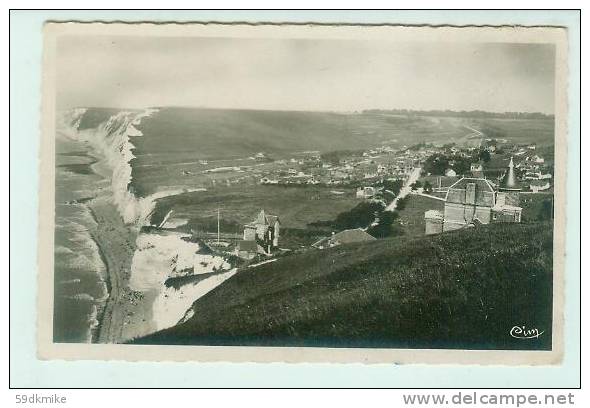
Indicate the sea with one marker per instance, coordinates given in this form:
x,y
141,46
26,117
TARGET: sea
x,y
80,288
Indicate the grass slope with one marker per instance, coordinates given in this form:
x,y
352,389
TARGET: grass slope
x,y
228,133
176,138
464,289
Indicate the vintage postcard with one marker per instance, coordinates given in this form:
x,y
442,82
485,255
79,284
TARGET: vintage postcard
x,y
303,193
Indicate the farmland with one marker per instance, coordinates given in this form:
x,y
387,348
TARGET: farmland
x,y
176,141
539,131
239,204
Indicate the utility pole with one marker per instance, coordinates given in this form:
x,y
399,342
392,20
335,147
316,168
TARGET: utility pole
x,y
218,226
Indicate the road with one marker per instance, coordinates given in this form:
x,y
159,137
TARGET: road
x,y
406,189
475,133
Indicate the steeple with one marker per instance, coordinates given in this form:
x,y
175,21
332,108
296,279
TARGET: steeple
x,y
261,219
509,181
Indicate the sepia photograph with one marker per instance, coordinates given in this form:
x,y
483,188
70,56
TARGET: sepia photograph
x,y
296,189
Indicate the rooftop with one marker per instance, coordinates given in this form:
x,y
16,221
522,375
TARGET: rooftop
x,y
481,184
352,235
509,181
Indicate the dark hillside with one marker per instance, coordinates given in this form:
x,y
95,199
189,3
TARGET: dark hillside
x,y
464,289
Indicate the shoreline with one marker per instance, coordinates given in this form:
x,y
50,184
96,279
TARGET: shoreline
x,y
129,311
124,313
116,245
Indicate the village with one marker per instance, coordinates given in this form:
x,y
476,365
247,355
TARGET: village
x,y
477,183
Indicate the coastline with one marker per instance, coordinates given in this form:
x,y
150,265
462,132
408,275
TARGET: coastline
x,y
126,313
138,305
116,244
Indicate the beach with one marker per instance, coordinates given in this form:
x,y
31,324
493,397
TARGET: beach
x,y
112,277
116,243
126,314
137,266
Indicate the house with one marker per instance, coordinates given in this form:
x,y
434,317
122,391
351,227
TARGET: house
x,y
539,185
468,199
536,159
477,170
365,192
471,201
450,173
266,180
348,236
260,156
262,234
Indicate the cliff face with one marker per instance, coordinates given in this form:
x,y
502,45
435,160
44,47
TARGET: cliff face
x,y
110,133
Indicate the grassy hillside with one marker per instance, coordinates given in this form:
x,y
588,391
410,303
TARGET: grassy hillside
x,y
539,131
176,138
229,133
297,207
464,289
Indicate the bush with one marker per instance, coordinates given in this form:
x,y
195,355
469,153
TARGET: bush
x,y
401,203
358,217
385,228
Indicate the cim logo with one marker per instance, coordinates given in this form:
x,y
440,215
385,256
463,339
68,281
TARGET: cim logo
x,y
521,332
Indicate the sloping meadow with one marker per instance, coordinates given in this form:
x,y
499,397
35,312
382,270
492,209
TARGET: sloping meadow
x,y
464,289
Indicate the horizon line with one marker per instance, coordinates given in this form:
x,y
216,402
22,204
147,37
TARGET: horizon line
x,y
358,111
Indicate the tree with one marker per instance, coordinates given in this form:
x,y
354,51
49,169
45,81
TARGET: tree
x,y
385,227
393,185
358,217
331,157
484,155
427,186
436,164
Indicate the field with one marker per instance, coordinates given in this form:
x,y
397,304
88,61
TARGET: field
x,y
239,204
175,139
539,131
463,289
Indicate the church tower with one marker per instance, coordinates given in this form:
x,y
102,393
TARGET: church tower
x,y
509,189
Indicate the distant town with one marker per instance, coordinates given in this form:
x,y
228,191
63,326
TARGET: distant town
x,y
480,182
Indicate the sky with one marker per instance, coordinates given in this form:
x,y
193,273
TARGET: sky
x,y
303,74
